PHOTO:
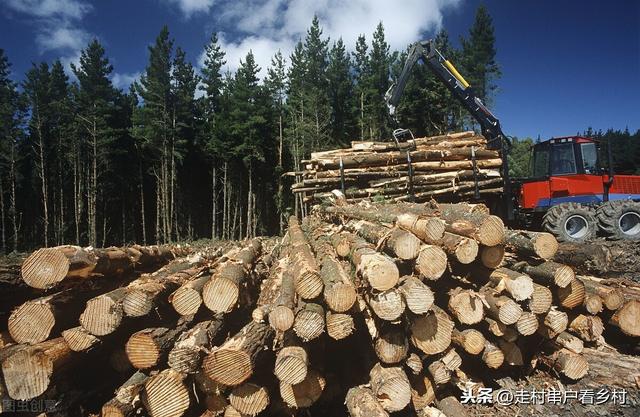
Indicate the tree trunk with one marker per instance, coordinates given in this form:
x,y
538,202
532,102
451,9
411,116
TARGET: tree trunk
x,y
12,199
214,201
306,276
540,244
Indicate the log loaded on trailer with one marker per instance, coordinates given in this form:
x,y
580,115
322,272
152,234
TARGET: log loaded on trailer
x,y
571,194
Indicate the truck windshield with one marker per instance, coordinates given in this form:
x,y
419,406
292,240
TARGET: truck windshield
x,y
563,160
589,158
541,162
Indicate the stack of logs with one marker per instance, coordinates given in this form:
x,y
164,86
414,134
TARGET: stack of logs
x,y
374,308
446,167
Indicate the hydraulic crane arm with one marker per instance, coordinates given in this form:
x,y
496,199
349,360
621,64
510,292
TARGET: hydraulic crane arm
x,y
459,87
444,70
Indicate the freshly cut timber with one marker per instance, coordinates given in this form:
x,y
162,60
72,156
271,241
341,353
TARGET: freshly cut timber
x,y
518,285
339,325
309,323
627,318
146,347
291,365
392,346
79,339
431,332
431,262
550,272
233,362
471,340
47,267
463,249
417,296
29,370
339,290
571,365
612,297
166,395
387,305
492,256
127,397
541,244
428,228
422,391
220,294
527,324
541,299
397,242
572,295
501,307
377,269
466,306
189,348
361,402
306,276
249,399
281,316
588,328
304,394
391,387
492,355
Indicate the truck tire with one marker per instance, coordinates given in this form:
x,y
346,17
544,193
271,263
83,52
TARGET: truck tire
x,y
570,222
620,219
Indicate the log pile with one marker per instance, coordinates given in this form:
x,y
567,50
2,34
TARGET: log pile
x,y
370,309
447,167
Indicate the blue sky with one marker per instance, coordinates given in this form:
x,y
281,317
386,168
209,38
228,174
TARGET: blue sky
x,y
566,65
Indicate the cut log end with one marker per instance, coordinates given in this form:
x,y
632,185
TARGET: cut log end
x,y
491,231
304,394
627,318
137,303
391,387
362,403
431,262
545,245
380,271
101,316
79,340
228,367
392,346
165,395
339,325
340,297
308,284
142,350
281,318
466,306
249,399
186,301
291,364
31,323
220,295
45,268
431,333
527,324
492,256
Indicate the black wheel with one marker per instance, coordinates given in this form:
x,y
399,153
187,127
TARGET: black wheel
x,y
570,222
620,219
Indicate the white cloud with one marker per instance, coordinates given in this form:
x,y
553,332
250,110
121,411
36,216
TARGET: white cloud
x,y
124,80
191,7
62,38
66,9
269,25
56,23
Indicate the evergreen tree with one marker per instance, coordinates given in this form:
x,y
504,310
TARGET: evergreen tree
x,y
153,128
36,88
11,123
379,60
343,123
480,56
95,100
363,89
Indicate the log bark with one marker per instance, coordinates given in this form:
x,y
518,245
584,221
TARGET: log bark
x,y
305,271
127,397
339,291
391,386
568,341
518,285
550,272
166,394
189,348
361,402
396,242
501,307
541,244
612,369
233,362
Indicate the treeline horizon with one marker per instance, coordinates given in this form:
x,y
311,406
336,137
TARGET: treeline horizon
x,y
85,163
